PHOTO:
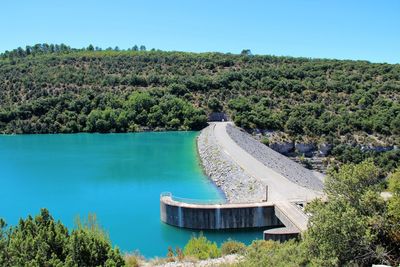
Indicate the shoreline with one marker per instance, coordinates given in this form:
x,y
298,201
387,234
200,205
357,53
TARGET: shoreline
x,y
203,170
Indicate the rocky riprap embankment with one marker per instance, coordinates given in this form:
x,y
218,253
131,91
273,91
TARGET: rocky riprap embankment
x,y
272,159
227,175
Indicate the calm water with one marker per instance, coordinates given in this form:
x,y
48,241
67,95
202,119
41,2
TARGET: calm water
x,y
119,177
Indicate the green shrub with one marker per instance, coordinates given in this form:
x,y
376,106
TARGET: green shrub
x,y
269,253
132,260
42,241
232,247
265,141
394,182
305,162
201,248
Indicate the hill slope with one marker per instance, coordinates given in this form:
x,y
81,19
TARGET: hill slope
x,y
51,89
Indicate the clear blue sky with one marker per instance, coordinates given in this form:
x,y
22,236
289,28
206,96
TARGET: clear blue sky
x,y
347,29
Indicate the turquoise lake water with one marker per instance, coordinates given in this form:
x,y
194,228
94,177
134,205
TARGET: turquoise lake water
x,y
119,177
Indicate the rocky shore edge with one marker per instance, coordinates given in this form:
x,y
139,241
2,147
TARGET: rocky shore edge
x,y
237,186
222,261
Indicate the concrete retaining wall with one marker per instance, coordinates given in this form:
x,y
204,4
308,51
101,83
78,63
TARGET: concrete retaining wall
x,y
226,216
281,234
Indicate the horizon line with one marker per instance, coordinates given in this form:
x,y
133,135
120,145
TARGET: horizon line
x,y
109,48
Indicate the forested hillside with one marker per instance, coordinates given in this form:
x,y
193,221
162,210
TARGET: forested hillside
x,y
54,88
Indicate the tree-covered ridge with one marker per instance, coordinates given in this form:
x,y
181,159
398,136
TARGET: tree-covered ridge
x,y
328,100
40,49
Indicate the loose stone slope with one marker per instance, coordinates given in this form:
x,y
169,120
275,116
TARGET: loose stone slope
x,y
272,159
227,175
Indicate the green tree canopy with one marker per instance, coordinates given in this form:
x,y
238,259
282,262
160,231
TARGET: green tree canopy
x,y
42,241
354,225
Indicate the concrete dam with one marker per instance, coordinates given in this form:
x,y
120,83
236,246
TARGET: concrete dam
x,y
285,220
288,188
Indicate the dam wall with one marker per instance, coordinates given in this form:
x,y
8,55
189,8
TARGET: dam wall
x,y
218,216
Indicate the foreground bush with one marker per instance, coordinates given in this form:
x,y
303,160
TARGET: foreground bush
x,y
201,248
393,218
269,253
41,241
232,247
356,227
133,260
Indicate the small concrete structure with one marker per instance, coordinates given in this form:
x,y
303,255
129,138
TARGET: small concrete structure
x,y
292,217
285,219
281,234
218,116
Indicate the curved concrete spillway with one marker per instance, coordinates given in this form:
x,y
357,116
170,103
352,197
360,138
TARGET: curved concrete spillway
x,y
217,216
284,220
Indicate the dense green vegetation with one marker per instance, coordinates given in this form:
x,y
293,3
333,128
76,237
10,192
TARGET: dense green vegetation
x,y
356,225
386,161
201,248
42,241
232,247
329,117
300,96
54,88
153,109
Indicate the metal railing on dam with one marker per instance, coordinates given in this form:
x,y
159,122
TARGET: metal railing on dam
x,y
284,219
193,201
